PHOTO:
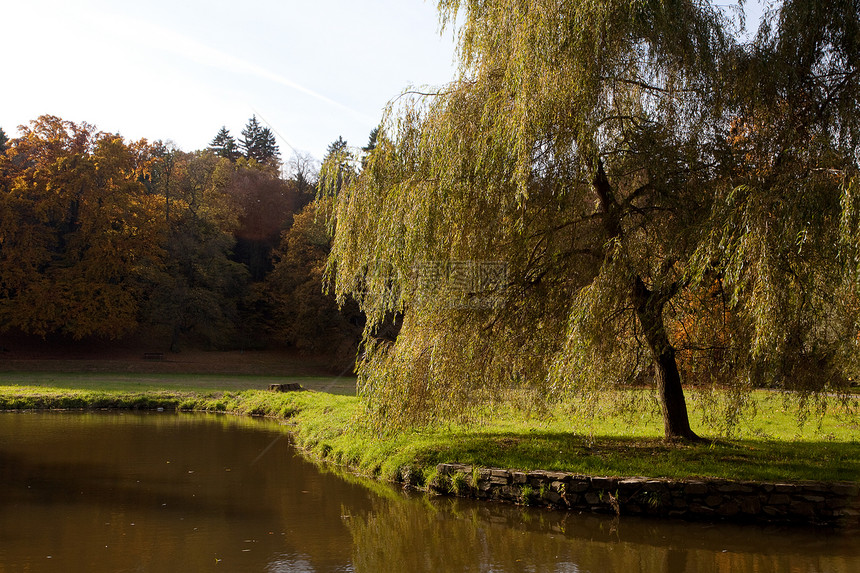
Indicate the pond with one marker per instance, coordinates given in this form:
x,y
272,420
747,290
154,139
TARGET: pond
x,y
122,491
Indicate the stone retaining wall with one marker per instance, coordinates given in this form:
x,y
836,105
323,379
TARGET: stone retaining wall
x,y
807,502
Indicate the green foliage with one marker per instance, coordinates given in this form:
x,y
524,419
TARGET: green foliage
x,y
528,495
458,484
668,204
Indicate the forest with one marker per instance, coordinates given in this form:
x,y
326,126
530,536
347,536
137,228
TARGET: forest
x,y
104,239
612,195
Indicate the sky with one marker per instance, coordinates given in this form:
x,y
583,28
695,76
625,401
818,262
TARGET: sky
x,y
312,70
177,70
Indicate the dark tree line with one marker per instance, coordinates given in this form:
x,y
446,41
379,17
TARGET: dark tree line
x,y
107,239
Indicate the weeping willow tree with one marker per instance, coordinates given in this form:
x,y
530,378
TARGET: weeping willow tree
x,y
611,192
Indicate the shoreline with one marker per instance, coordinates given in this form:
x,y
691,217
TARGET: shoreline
x,y
701,499
807,502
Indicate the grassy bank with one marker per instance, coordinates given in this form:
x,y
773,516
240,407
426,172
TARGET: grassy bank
x,y
771,447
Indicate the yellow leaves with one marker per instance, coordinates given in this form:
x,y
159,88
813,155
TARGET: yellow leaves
x,y
77,224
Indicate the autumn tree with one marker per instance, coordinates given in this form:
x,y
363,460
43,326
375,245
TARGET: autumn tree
x,y
79,231
783,234
266,206
540,220
302,314
195,296
3,141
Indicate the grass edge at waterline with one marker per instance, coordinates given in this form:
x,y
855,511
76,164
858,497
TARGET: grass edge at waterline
x,y
328,427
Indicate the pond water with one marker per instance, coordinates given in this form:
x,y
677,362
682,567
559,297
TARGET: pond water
x,y
110,491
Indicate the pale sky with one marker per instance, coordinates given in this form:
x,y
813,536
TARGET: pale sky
x,y
180,69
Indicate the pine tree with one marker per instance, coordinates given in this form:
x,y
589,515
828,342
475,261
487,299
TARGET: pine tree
x,y
224,144
267,148
250,137
371,140
258,143
335,147
3,141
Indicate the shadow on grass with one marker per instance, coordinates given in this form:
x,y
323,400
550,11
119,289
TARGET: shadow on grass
x,y
730,459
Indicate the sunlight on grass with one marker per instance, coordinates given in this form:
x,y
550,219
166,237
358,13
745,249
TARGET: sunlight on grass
x,y
615,439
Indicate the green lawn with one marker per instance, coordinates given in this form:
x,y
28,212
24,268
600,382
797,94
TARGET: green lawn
x,y
769,446
148,382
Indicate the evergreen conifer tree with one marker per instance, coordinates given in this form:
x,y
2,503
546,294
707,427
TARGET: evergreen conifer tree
x,y
267,148
250,138
224,145
258,143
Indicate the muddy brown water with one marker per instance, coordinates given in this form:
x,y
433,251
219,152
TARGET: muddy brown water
x,y
111,491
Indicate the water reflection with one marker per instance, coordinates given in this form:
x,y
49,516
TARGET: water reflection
x,y
167,492
488,537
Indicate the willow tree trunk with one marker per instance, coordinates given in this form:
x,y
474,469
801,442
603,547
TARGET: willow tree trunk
x,y
649,311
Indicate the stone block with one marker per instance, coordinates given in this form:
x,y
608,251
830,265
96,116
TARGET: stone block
x,y
700,509
578,485
836,502
509,493
679,503
519,477
779,499
750,505
845,489
604,483
729,508
656,485
785,487
732,487
696,488
802,508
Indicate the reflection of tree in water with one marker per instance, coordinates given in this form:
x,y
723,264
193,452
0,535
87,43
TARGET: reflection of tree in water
x,y
451,535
